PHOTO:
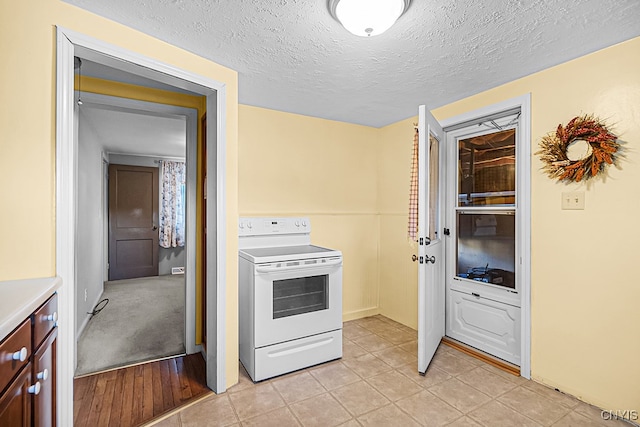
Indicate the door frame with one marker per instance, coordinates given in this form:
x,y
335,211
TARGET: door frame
x,y
109,102
70,43
523,187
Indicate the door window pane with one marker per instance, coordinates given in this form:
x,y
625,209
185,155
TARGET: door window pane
x,y
486,247
486,170
299,295
434,175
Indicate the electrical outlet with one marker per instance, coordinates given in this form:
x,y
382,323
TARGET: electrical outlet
x,y
85,294
573,200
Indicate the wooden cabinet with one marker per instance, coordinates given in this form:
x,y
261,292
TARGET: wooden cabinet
x,y
28,370
15,402
15,350
44,371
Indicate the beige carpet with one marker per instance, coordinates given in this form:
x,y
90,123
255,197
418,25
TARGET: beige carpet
x,y
144,320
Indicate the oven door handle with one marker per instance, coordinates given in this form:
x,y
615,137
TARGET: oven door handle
x,y
269,269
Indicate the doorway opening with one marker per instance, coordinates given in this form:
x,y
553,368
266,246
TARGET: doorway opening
x,y
477,289
130,307
482,290
70,44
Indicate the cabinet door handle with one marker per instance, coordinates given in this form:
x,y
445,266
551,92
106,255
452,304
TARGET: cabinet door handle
x,y
20,355
35,389
52,317
43,375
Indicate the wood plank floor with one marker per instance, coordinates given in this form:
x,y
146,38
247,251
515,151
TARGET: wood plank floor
x,y
134,395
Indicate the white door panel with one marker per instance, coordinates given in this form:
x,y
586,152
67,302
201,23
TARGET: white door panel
x,y
483,256
489,325
431,294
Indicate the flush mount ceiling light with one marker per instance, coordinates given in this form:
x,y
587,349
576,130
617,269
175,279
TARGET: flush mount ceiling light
x,y
367,18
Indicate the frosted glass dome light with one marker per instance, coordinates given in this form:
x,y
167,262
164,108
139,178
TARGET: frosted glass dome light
x,y
367,18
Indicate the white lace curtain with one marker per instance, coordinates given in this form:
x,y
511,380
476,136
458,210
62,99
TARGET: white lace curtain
x,y
172,206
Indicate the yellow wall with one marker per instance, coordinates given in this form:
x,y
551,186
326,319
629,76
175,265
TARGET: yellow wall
x,y
27,124
398,274
326,170
585,292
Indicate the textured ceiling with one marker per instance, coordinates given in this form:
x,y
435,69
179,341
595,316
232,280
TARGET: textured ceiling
x,y
292,56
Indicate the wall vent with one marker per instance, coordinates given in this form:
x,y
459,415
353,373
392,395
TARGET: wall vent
x,y
177,270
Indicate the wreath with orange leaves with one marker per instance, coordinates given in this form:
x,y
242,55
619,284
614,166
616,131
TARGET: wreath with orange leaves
x,y
603,149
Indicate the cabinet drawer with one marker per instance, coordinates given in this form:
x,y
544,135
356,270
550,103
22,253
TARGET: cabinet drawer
x,y
15,347
44,320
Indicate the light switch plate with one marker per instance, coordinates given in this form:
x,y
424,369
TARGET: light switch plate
x,y
573,200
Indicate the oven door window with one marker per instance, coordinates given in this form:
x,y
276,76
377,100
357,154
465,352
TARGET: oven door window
x,y
300,295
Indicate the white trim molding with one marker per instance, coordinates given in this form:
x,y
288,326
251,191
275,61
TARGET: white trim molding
x,y
216,228
69,44
65,228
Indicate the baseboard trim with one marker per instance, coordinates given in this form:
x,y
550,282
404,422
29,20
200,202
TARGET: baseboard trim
x,y
487,358
87,317
359,314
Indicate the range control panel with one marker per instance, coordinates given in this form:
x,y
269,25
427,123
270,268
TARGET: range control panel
x,y
271,226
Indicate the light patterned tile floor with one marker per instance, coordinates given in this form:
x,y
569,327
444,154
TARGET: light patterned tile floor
x,y
376,383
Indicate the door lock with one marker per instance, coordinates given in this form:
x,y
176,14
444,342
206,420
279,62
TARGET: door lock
x,y
424,260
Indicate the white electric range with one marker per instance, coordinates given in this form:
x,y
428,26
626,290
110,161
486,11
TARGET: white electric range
x,y
290,297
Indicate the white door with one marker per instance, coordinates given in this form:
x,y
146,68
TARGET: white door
x,y
482,293
431,293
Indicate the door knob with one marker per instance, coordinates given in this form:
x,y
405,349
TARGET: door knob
x,y
20,355
414,257
35,389
155,227
43,375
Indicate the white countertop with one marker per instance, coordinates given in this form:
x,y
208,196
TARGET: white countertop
x,y
20,298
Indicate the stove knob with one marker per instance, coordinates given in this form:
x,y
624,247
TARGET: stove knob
x,y
297,223
249,225
304,223
241,225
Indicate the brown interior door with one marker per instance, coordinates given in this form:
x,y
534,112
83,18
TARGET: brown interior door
x,y
133,222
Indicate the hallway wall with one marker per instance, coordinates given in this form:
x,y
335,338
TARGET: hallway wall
x,y
90,223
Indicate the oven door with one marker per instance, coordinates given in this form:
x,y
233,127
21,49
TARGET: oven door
x,y
295,299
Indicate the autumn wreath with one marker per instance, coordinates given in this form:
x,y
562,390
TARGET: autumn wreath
x,y
602,149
